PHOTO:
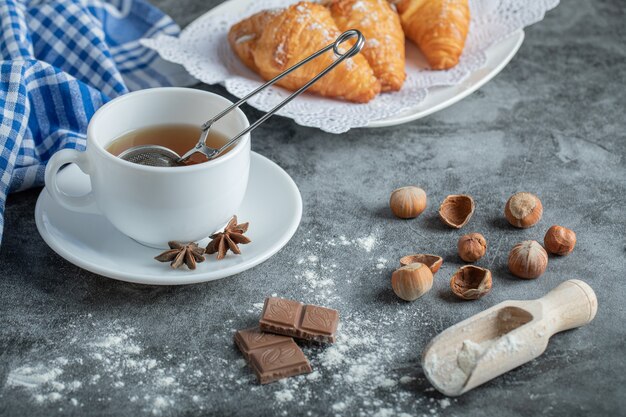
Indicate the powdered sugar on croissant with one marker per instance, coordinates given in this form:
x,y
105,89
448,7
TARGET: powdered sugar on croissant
x,y
269,42
384,38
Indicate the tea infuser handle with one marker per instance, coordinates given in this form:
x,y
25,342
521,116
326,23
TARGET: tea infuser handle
x,y
355,49
84,203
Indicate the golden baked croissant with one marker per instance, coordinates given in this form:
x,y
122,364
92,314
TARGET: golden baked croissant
x,y
384,38
438,27
269,42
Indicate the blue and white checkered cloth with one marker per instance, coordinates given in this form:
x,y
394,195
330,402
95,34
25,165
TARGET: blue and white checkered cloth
x,y
59,61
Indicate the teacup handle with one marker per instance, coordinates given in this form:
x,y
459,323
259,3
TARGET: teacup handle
x,y
84,203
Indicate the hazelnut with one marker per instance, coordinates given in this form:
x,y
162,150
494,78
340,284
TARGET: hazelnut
x,y
407,202
472,247
433,262
471,282
523,210
456,210
412,281
559,240
528,259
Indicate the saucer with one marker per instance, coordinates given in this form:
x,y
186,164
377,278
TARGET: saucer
x,y
272,205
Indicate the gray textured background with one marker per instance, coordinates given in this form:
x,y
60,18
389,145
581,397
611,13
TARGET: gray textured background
x,y
552,123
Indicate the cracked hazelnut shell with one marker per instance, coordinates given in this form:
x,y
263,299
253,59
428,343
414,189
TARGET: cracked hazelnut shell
x,y
471,282
456,210
433,262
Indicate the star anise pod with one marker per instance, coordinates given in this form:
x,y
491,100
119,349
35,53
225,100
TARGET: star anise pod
x,y
228,239
180,254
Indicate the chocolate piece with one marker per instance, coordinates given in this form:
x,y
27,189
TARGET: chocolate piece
x,y
292,318
279,361
250,339
271,356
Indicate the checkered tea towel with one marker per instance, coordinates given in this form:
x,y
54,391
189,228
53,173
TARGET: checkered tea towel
x,y
59,61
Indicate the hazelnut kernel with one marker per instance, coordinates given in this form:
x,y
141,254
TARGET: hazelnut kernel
x,y
472,247
559,240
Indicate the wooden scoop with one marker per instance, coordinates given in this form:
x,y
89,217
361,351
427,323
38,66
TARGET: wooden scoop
x,y
504,337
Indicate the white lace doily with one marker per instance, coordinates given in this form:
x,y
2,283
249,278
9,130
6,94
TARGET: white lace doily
x,y
203,50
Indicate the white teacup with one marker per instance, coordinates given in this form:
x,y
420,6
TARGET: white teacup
x,y
154,205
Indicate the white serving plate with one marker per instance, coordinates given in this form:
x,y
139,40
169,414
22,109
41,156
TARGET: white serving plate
x,y
439,98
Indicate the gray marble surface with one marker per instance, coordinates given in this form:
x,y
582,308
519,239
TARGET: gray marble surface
x,y
552,123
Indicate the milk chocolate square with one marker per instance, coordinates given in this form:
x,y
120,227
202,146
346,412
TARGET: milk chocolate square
x,y
320,320
250,339
279,361
291,318
281,312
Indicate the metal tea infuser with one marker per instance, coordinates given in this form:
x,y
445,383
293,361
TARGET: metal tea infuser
x,y
159,156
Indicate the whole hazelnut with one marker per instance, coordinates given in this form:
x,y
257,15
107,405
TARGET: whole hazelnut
x,y
523,210
471,282
528,259
407,202
412,281
472,247
559,240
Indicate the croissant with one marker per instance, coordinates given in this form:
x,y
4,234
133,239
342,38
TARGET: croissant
x,y
384,38
269,42
438,27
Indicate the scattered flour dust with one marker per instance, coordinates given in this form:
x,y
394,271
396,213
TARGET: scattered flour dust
x,y
340,406
318,276
406,379
367,243
42,381
444,403
381,263
362,364
283,396
373,366
114,360
313,376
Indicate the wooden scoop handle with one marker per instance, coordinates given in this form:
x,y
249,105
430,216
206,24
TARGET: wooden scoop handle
x,y
572,304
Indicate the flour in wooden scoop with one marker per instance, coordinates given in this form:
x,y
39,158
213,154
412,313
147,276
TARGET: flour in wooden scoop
x,y
455,354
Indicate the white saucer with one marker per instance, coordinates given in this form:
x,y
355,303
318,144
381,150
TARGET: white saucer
x,y
272,205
